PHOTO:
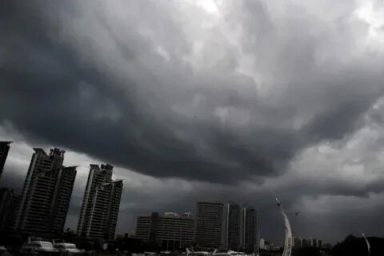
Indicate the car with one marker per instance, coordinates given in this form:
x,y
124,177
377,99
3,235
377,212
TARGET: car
x,y
38,248
67,248
4,251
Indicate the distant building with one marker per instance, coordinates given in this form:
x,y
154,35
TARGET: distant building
x,y
170,230
297,243
226,226
262,244
235,222
309,242
319,243
8,204
265,245
250,232
101,203
241,228
4,149
46,194
210,224
314,242
327,246
305,243
146,227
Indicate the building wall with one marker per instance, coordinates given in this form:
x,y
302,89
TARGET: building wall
x,y
241,233
143,228
209,224
171,231
4,149
234,227
97,176
250,243
176,229
101,203
307,242
216,226
59,207
297,243
8,204
46,194
113,207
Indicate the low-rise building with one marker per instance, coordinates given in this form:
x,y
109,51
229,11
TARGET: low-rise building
x,y
170,230
297,243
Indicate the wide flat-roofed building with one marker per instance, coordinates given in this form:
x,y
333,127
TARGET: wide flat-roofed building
x,y
170,230
210,224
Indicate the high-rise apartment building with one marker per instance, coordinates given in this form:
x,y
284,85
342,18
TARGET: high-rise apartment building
x,y
234,226
4,148
46,194
170,230
241,228
101,202
249,241
8,203
210,224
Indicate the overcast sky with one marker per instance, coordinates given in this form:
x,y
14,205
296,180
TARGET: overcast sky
x,y
205,100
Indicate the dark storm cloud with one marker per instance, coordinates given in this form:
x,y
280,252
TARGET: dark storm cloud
x,y
131,89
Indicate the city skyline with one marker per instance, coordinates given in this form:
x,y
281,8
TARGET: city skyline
x,y
214,225
73,221
210,100
41,206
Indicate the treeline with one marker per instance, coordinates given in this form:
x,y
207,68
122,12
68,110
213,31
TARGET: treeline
x,y
351,246
356,246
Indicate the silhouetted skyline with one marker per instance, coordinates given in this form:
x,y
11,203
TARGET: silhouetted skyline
x,y
204,100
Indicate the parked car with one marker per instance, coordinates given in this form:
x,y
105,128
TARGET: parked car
x,y
38,248
4,251
67,249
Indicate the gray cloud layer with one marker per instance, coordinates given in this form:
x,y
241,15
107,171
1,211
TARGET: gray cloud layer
x,y
237,92
93,80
